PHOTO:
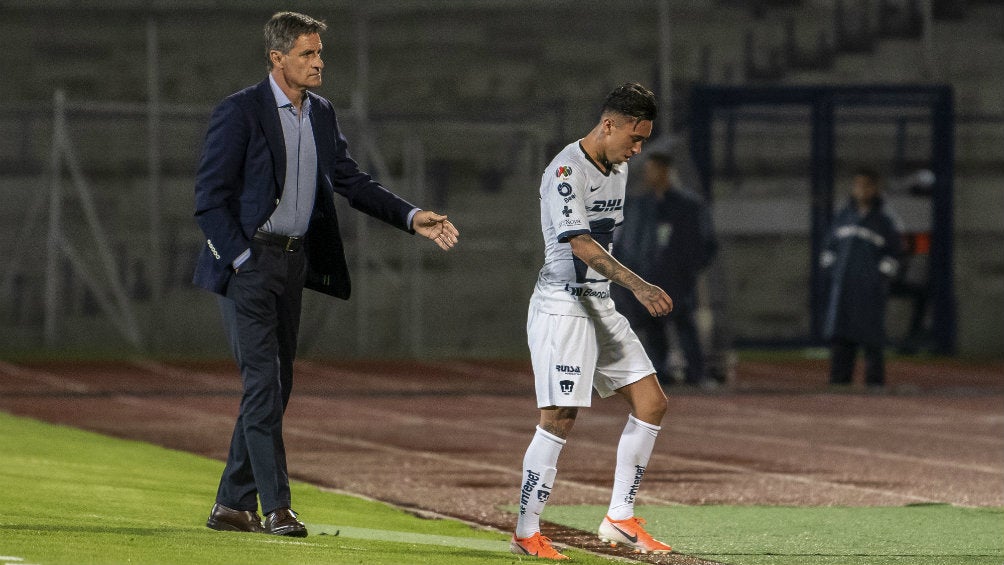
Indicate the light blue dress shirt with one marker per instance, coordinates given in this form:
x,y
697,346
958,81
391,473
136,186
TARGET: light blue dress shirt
x,y
292,214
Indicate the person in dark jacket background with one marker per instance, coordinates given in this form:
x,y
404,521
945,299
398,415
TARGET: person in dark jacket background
x,y
860,258
668,239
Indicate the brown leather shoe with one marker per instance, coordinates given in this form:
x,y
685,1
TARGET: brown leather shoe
x,y
229,520
283,522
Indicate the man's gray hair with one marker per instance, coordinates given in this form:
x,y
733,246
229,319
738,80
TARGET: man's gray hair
x,y
284,28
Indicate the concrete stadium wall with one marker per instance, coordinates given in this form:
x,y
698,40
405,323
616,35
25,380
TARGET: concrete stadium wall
x,y
528,75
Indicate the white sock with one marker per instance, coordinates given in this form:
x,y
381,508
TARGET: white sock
x,y
633,452
539,469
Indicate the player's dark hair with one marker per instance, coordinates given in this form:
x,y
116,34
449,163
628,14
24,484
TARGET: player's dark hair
x,y
632,100
283,28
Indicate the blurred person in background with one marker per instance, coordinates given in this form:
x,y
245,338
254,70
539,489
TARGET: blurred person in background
x,y
272,162
860,259
668,239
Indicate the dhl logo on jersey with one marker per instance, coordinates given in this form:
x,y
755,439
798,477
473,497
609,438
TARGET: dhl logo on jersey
x,y
607,205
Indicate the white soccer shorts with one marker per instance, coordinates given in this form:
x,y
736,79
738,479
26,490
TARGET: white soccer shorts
x,y
571,355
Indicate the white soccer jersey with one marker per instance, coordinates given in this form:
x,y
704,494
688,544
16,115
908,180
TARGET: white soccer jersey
x,y
577,198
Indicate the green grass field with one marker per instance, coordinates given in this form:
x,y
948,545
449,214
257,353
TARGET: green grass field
x,y
76,498
756,535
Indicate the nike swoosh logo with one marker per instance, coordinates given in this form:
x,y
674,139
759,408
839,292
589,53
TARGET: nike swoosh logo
x,y
632,539
527,551
594,188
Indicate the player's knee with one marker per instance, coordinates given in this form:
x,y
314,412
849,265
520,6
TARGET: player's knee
x,y
660,405
558,421
652,409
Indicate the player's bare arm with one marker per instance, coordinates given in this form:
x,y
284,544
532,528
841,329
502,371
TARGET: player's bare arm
x,y
655,300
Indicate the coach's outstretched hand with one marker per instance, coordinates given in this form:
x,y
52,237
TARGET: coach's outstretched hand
x,y
435,227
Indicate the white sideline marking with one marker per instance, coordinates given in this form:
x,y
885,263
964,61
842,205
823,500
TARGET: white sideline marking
x,y
407,537
285,541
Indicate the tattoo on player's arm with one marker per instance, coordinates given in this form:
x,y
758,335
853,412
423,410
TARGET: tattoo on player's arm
x,y
605,264
613,270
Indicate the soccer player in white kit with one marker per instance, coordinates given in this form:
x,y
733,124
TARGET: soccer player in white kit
x,y
577,340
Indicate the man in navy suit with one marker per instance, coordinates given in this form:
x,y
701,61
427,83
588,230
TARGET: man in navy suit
x,y
273,160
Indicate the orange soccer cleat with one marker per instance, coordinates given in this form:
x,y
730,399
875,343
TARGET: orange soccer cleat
x,y
536,546
631,534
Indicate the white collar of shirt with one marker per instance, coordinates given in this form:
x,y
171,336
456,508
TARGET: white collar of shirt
x,y
281,100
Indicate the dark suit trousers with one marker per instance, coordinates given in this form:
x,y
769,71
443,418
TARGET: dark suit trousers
x,y
261,315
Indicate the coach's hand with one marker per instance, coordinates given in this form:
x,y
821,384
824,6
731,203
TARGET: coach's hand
x,y
435,227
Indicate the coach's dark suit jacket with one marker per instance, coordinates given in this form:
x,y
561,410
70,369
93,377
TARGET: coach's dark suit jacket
x,y
240,179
